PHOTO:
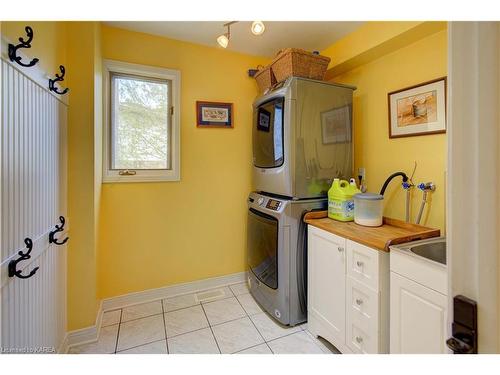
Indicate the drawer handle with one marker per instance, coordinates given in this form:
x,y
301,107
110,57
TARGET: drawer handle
x,y
340,249
359,263
359,339
359,301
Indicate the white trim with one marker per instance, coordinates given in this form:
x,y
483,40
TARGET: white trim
x,y
149,295
35,73
172,174
91,334
82,336
473,171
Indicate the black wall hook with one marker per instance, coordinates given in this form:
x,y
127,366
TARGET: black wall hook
x,y
24,44
59,78
59,228
22,256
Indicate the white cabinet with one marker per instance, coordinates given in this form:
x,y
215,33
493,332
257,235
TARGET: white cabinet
x,y
327,268
418,305
348,287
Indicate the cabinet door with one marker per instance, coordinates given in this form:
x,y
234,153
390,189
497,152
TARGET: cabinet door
x,y
326,281
418,318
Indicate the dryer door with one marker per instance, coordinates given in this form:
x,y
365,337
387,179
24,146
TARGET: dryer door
x,y
262,244
268,140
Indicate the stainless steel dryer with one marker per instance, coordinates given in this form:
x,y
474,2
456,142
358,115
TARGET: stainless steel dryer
x,y
302,138
276,245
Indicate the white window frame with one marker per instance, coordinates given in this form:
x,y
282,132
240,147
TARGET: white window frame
x,y
142,175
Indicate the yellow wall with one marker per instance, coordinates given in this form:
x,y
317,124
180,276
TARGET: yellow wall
x,y
157,234
421,61
147,235
367,36
83,189
49,41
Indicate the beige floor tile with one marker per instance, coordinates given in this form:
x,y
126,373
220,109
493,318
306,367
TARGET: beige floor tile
x,y
259,349
185,320
110,317
197,342
105,344
297,343
141,311
223,310
239,289
249,304
236,335
269,328
179,302
157,347
141,331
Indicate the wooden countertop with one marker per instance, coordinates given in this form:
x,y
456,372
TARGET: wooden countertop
x,y
391,232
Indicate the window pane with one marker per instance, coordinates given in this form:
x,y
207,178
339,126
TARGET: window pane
x,y
140,126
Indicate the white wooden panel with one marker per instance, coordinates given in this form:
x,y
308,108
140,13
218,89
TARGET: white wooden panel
x,y
418,318
363,264
362,306
33,196
326,285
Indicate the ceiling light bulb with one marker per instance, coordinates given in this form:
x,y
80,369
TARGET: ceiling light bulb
x,y
223,40
258,28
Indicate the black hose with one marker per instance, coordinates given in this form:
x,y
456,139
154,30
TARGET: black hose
x,y
402,174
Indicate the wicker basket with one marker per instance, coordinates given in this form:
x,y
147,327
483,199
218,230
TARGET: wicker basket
x,y
265,78
299,63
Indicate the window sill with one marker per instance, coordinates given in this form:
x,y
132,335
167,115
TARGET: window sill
x,y
139,179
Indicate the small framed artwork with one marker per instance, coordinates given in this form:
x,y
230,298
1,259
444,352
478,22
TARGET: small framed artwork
x,y
214,115
336,125
418,110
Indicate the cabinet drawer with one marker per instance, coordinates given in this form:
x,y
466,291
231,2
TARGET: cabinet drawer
x,y
361,341
363,264
362,306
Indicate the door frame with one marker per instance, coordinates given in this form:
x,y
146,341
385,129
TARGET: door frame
x,y
473,179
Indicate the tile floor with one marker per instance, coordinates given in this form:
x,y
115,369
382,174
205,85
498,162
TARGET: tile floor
x,y
223,320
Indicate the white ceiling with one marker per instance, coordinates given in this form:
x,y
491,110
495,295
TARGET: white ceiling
x,y
314,35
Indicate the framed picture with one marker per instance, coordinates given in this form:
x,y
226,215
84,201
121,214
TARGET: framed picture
x,y
214,115
336,125
418,110
263,120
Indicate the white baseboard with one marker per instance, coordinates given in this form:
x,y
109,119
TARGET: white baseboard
x,y
82,336
170,291
91,334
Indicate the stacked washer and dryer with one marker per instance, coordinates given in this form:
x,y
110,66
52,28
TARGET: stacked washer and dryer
x,y
302,139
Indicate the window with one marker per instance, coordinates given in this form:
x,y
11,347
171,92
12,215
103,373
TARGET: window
x,y
141,138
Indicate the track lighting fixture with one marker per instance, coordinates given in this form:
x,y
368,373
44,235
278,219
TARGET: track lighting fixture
x,y
223,39
257,28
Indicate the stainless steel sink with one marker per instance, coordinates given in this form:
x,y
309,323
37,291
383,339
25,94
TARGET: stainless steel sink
x,y
435,251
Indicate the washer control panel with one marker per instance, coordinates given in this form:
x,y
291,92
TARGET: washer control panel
x,y
273,204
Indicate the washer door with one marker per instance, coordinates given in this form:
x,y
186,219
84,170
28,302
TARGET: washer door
x,y
262,243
